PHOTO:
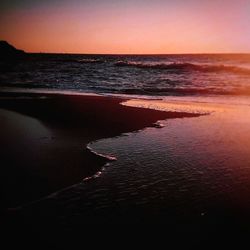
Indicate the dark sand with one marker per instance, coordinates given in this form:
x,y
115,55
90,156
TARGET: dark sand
x,y
43,149
43,145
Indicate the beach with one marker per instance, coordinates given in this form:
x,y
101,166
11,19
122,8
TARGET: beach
x,y
91,142
125,122
45,138
56,147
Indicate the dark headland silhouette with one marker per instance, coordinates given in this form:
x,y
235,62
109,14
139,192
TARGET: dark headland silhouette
x,y
9,52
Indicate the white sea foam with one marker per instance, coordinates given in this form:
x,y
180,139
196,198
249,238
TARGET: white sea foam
x,y
170,106
108,157
98,173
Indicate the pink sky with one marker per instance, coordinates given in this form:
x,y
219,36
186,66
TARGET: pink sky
x,y
140,27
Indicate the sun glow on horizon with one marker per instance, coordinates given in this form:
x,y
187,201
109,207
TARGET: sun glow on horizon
x,y
127,27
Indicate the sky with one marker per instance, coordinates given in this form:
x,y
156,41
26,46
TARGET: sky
x,y
127,26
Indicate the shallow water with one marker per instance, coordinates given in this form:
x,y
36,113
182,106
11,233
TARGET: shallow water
x,y
191,166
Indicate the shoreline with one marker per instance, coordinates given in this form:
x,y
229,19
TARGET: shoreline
x,y
52,160
111,200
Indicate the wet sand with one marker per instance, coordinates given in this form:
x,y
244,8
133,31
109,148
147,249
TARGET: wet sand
x,y
44,138
43,142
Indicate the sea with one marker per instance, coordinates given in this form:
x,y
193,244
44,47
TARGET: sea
x,y
149,75
194,169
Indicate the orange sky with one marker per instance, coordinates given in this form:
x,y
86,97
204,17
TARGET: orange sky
x,y
133,27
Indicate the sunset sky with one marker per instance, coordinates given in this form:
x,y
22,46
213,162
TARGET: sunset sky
x,y
127,26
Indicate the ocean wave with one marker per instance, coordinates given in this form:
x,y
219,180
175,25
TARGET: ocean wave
x,y
176,67
84,60
91,61
185,91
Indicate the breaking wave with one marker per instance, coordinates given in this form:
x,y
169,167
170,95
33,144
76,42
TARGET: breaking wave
x,y
90,61
175,67
185,91
84,60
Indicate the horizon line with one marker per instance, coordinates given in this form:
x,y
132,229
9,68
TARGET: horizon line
x,y
145,54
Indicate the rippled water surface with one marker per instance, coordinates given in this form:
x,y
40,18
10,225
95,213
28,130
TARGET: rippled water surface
x,y
151,75
190,166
